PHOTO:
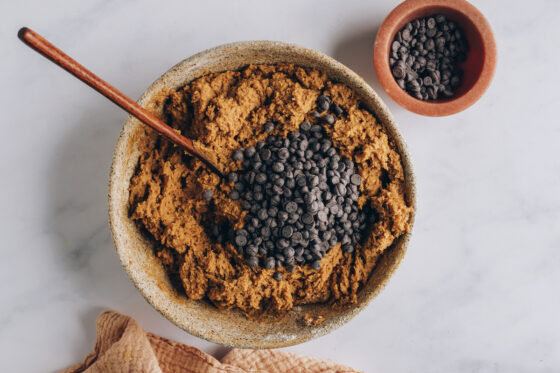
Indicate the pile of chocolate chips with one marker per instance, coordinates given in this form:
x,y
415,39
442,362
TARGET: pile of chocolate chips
x,y
300,196
425,55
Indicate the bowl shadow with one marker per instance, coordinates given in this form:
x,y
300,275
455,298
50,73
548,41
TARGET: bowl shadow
x,y
355,50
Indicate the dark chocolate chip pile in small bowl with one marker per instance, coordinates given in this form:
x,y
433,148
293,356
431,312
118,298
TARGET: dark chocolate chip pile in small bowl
x,y
300,195
425,57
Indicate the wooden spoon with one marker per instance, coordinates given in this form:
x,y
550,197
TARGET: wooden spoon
x,y
41,45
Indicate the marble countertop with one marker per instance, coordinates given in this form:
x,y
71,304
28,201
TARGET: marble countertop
x,y
478,288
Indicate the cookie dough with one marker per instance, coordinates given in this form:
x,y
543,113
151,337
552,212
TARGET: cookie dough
x,y
222,112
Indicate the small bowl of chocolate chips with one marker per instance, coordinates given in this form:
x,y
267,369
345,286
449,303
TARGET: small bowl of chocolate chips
x,y
435,57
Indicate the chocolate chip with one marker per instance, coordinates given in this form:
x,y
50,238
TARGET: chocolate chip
x,y
233,177
288,252
285,183
329,119
399,72
278,167
277,276
283,153
341,189
260,178
240,240
411,75
297,237
291,207
253,261
431,33
322,215
316,115
323,103
406,34
251,250
430,44
447,92
237,155
282,243
307,219
249,152
207,195
269,126
431,23
269,263
347,248
337,110
265,154
422,50
287,231
239,186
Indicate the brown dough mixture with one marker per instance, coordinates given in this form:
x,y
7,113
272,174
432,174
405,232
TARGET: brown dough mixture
x,y
222,112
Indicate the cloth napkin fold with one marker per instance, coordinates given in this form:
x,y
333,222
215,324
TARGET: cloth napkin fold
x,y
123,346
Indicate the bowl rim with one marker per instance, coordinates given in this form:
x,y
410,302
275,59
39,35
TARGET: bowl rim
x,y
385,36
163,307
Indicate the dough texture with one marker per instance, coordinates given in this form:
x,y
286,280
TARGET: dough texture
x,y
222,112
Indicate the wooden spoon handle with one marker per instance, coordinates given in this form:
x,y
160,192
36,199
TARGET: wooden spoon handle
x,y
41,45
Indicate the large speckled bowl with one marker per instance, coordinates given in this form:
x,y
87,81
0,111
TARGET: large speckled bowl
x,y
200,318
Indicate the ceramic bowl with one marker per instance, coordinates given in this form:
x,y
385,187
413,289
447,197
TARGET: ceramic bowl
x,y
478,68
134,248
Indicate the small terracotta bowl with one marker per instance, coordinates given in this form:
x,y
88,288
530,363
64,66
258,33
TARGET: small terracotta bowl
x,y
478,68
134,248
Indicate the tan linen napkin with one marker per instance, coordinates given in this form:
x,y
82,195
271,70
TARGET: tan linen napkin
x,y
122,346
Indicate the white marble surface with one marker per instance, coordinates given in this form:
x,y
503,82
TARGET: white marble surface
x,y
479,288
